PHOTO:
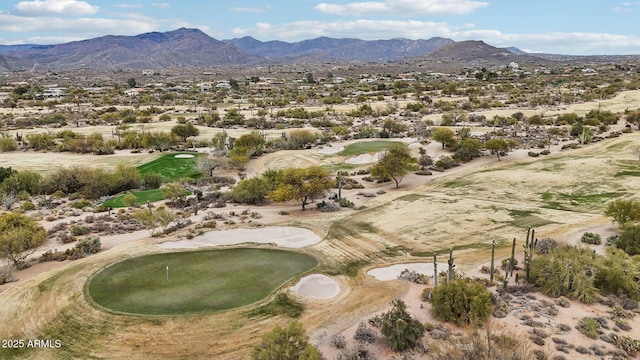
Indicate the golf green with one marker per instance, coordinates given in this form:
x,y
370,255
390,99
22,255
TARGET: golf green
x,y
195,282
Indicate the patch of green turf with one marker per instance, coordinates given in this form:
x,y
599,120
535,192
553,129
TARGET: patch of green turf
x,y
171,168
142,197
457,183
339,167
627,173
366,227
199,281
411,197
367,147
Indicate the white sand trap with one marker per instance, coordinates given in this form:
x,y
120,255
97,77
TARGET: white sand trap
x,y
289,237
414,145
317,286
364,159
392,272
330,150
183,156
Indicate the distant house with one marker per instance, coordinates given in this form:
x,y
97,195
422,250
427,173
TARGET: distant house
x,y
339,80
134,91
205,86
223,85
148,72
53,93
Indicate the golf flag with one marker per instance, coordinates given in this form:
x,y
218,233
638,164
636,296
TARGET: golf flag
x,y
167,272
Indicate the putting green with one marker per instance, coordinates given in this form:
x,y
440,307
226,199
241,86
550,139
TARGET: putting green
x,y
198,281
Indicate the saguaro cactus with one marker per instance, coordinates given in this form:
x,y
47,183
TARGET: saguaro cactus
x,y
435,271
529,246
493,253
512,261
451,266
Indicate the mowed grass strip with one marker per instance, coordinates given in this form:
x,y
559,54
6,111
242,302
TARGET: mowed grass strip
x,y
141,198
171,168
368,147
199,281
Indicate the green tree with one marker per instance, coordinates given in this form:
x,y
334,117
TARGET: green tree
x,y
27,181
151,218
251,191
152,181
301,184
566,271
463,302
445,136
629,240
131,83
174,191
623,211
185,131
395,164
497,146
290,343
252,143
467,149
401,330
20,235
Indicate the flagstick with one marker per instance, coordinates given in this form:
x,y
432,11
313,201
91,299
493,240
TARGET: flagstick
x,y
167,272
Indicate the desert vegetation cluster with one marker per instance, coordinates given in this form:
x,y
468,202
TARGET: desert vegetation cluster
x,y
513,175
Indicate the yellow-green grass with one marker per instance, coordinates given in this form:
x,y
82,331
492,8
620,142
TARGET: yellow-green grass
x,y
197,282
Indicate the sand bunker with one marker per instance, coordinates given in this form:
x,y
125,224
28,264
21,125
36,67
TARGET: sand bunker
x,y
317,286
289,237
183,156
330,150
364,159
392,272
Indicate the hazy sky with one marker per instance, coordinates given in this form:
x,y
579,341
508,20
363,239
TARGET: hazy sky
x,y
559,26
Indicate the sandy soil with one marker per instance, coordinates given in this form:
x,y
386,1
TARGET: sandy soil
x,y
317,286
393,271
288,237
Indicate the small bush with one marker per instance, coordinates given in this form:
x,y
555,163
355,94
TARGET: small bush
x,y
591,238
345,203
338,341
80,204
589,327
80,230
533,154
364,334
27,206
544,152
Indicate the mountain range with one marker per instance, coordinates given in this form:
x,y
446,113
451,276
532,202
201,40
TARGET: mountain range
x,y
193,48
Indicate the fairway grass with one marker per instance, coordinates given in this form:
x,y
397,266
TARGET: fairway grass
x,y
198,281
171,168
142,197
368,147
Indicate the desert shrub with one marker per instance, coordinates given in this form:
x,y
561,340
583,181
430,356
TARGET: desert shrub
x,y
66,238
413,276
330,206
626,344
446,162
80,204
79,230
345,203
589,326
423,172
505,263
544,152
591,238
563,301
566,271
152,181
463,302
533,154
545,245
364,334
338,341
401,330
89,245
360,352
27,206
